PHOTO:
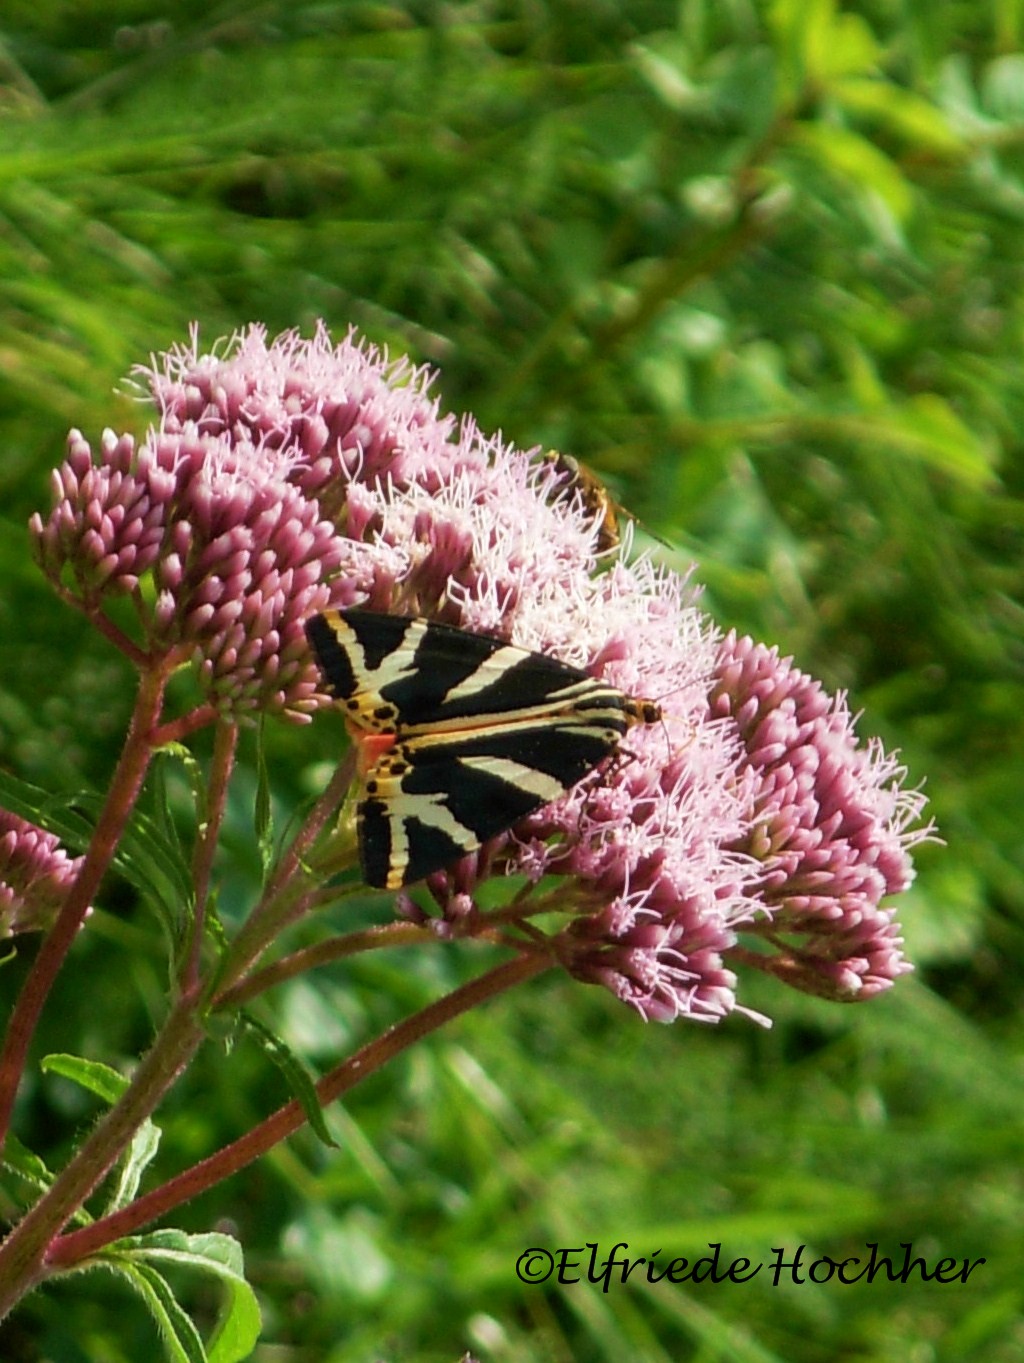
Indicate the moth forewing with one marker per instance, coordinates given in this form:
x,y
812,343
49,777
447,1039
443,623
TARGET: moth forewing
x,y
482,733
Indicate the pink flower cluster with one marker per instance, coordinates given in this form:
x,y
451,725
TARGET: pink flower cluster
x,y
236,556
829,826
35,876
290,475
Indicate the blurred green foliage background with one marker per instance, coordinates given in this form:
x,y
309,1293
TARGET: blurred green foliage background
x,y
761,266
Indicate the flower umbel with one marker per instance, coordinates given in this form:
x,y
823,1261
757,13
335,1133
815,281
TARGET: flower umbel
x,y
292,475
35,875
233,556
829,826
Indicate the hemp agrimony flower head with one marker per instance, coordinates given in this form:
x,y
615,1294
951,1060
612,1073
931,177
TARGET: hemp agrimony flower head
x,y
35,876
221,555
291,475
829,827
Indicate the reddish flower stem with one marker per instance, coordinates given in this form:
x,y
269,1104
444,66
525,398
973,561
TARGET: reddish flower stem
x,y
321,953
72,1248
224,746
23,1253
94,613
177,729
281,895
124,790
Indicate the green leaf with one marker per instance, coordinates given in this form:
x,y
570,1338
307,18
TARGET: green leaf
x,y
178,755
929,425
88,1074
238,1326
154,863
902,111
25,1163
263,814
820,43
1002,87
147,858
853,158
107,1084
54,813
662,63
140,1153
295,1076
843,45
179,916
181,1340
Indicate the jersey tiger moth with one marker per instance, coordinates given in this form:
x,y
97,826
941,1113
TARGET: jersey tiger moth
x,y
460,735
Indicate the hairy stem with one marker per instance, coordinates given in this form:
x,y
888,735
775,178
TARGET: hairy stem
x,y
176,730
124,791
23,1253
70,1249
321,953
225,744
282,893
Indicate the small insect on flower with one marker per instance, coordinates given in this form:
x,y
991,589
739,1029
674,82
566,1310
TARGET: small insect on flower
x,y
461,735
577,480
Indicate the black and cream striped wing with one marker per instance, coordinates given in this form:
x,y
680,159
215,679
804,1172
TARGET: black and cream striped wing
x,y
464,734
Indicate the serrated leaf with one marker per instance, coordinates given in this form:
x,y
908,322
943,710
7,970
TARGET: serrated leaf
x,y
92,1075
54,813
145,857
157,867
299,1083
